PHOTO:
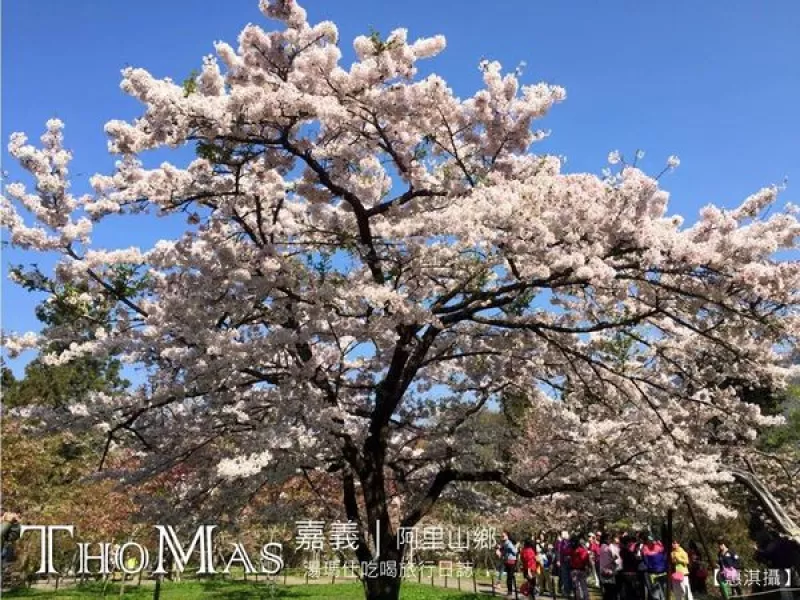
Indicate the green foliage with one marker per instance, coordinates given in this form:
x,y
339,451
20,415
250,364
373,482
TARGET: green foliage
x,y
213,153
67,305
619,348
380,44
786,436
190,83
515,408
735,531
521,303
70,307
59,385
423,148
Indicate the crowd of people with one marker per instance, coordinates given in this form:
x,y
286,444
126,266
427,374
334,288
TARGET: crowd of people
x,y
624,566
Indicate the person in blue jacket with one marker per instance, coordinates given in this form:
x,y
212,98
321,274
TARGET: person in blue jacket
x,y
508,552
654,558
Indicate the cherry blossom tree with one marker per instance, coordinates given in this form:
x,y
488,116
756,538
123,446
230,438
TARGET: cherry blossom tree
x,y
371,264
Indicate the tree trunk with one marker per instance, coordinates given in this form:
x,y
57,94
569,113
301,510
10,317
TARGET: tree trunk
x,y
382,588
385,583
382,580
709,556
384,559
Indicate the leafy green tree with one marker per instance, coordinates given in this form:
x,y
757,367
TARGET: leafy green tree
x,y
66,308
45,475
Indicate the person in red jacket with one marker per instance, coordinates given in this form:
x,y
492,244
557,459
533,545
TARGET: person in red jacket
x,y
529,566
580,563
594,546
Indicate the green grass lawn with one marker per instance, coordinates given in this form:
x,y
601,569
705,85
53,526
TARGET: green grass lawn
x,y
239,590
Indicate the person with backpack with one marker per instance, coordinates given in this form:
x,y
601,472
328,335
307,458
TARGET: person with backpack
x,y
729,565
508,552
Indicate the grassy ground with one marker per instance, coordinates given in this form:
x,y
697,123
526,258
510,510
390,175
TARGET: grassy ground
x,y
239,590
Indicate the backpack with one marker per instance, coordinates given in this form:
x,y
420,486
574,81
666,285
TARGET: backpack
x,y
509,554
544,559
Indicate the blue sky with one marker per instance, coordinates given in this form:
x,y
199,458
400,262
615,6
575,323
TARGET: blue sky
x,y
716,82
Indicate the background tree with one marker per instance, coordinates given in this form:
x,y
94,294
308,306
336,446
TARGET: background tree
x,y
48,478
777,456
370,264
68,313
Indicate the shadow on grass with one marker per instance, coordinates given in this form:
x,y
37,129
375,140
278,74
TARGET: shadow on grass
x,y
84,590
218,589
